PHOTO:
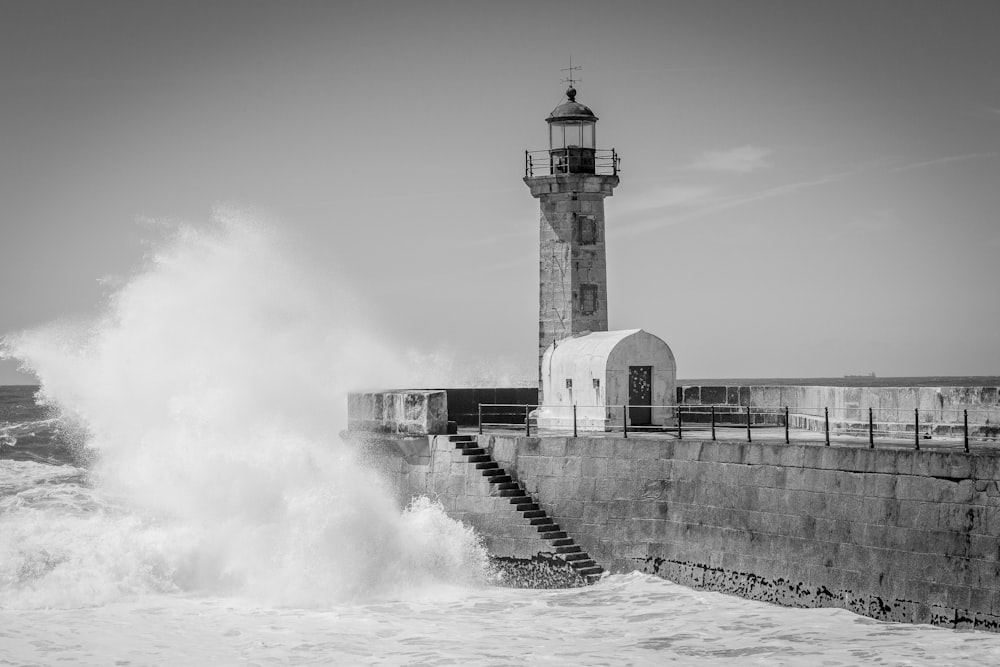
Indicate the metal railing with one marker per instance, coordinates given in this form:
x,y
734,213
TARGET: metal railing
x,y
891,425
600,161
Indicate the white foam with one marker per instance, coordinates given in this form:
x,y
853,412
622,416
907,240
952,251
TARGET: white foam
x,y
213,389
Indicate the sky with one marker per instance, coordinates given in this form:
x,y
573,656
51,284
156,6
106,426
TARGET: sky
x,y
808,188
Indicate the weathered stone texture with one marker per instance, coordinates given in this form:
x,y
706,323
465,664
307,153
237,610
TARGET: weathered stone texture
x,y
572,263
894,534
411,412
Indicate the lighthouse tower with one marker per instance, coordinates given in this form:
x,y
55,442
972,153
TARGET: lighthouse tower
x,y
571,180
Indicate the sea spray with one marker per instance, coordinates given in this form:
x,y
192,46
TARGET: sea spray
x,y
212,391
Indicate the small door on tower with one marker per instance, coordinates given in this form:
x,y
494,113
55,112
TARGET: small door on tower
x,y
640,395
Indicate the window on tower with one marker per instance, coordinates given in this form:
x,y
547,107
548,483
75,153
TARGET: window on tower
x,y
588,299
586,230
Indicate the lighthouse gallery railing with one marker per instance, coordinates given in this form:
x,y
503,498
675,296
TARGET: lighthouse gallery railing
x,y
602,162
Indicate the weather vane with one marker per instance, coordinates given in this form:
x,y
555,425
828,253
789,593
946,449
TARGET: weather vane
x,y
569,77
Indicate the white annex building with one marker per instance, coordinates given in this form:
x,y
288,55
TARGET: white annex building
x,y
602,372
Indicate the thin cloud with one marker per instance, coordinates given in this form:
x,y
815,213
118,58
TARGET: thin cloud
x,y
671,196
716,205
943,160
742,160
711,206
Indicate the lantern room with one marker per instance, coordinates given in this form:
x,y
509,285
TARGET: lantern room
x,y
572,138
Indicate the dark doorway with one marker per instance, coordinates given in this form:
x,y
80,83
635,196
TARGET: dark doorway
x,y
640,395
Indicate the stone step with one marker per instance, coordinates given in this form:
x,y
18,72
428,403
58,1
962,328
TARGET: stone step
x,y
532,514
467,445
553,535
487,465
493,472
577,556
480,458
590,571
546,527
516,492
507,485
563,542
472,451
461,438
542,521
568,549
500,479
527,507
519,500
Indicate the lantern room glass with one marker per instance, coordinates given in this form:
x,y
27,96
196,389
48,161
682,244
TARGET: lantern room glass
x,y
571,134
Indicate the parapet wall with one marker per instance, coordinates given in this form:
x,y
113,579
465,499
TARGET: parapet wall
x,y
941,405
899,535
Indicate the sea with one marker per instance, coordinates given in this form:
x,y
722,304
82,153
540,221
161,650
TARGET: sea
x,y
174,492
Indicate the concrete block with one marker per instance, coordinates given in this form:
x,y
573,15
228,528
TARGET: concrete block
x,y
752,454
621,509
572,509
687,450
553,447
594,467
792,456
812,455
710,452
622,449
620,468
647,451
892,462
596,513
569,467
602,448
568,488
942,616
577,447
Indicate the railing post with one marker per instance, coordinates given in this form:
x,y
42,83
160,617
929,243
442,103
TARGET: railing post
x,y
786,425
749,439
679,418
625,419
713,423
826,425
527,164
480,406
871,429
916,428
574,420
527,421
965,419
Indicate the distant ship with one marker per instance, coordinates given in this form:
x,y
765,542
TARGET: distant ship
x,y
859,377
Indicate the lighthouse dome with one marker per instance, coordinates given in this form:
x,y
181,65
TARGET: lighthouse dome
x,y
571,110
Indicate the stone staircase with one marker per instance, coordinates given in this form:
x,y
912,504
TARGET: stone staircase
x,y
503,485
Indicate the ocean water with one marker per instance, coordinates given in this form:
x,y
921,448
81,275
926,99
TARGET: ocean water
x,y
174,492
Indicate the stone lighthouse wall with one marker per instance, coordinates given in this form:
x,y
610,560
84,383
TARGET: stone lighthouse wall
x,y
573,283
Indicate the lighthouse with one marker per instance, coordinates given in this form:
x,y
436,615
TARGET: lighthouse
x,y
588,377
571,180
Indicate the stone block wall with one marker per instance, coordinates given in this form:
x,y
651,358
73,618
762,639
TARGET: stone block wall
x,y
898,535
408,411
440,472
